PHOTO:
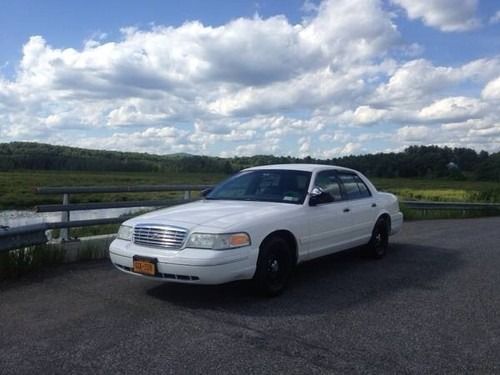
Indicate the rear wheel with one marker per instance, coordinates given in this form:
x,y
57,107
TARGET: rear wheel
x,y
274,267
379,241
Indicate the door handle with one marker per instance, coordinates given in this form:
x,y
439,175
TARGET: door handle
x,y
374,204
347,209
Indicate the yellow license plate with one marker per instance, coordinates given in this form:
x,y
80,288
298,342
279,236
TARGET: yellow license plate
x,y
145,267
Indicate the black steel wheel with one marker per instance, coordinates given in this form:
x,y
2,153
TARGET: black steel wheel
x,y
274,267
379,241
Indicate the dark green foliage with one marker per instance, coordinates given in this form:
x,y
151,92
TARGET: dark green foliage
x,y
19,262
415,161
38,156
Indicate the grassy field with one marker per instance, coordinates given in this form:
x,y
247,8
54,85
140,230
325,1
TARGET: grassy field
x,y
17,188
440,190
17,192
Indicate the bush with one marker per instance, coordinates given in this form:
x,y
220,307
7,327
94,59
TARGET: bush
x,y
21,261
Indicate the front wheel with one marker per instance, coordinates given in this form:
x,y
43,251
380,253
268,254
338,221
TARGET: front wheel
x,y
379,241
274,267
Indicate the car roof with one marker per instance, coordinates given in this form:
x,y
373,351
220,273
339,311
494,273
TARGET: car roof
x,y
299,167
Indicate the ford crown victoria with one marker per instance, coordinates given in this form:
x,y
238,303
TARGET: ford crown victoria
x,y
259,224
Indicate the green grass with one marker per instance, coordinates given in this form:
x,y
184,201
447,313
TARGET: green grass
x,y
95,230
22,261
17,191
17,188
412,214
440,190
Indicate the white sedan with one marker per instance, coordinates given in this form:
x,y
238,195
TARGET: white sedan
x,y
259,224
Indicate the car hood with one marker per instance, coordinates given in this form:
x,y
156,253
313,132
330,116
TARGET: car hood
x,y
214,213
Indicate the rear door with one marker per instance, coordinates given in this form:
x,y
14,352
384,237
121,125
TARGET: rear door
x,y
361,204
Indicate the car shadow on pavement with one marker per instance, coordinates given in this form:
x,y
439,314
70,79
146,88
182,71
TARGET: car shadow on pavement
x,y
327,284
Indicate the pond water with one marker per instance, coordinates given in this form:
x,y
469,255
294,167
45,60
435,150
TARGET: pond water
x,y
16,218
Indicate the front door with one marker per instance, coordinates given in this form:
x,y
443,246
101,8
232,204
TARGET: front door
x,y
330,220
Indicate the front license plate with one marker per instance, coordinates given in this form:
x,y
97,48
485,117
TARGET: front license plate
x,y
145,266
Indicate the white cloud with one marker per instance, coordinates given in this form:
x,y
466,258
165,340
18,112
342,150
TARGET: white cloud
x,y
156,140
492,89
413,81
446,15
495,18
413,134
364,115
267,147
304,144
255,85
170,74
452,109
349,148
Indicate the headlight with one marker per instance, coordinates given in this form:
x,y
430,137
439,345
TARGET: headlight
x,y
218,241
125,233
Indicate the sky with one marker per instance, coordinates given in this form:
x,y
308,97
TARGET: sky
x,y
284,77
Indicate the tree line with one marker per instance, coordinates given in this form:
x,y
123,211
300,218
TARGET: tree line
x,y
414,161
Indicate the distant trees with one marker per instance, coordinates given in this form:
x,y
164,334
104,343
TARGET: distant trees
x,y
415,161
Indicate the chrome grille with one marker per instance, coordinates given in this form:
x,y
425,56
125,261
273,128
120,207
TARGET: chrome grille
x,y
167,237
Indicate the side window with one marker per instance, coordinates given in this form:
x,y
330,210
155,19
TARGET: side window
x,y
354,187
363,189
327,180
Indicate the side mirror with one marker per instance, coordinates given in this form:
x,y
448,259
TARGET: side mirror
x,y
315,196
205,192
318,195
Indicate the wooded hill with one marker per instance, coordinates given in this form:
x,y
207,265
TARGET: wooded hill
x,y
414,161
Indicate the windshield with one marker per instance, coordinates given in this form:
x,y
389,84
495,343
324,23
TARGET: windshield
x,y
264,185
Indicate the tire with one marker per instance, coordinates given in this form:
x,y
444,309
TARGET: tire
x,y
274,266
379,241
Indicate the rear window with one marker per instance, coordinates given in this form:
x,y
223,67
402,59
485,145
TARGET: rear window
x,y
354,186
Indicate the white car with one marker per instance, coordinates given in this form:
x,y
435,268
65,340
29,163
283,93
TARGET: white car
x,y
259,224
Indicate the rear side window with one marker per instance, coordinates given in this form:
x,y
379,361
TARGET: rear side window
x,y
354,186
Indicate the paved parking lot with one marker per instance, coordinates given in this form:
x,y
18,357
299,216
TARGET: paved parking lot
x,y
431,306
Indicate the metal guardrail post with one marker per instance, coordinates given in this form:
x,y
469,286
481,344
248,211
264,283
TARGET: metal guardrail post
x,y
64,232
187,195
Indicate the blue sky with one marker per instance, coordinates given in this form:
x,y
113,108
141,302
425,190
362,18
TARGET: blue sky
x,y
67,24
250,77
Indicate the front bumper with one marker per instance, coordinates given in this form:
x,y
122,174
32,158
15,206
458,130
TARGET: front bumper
x,y
194,266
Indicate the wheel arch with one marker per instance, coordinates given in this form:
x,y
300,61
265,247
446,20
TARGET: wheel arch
x,y
386,217
289,237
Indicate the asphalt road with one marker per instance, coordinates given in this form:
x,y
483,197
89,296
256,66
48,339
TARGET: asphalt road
x,y
431,306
